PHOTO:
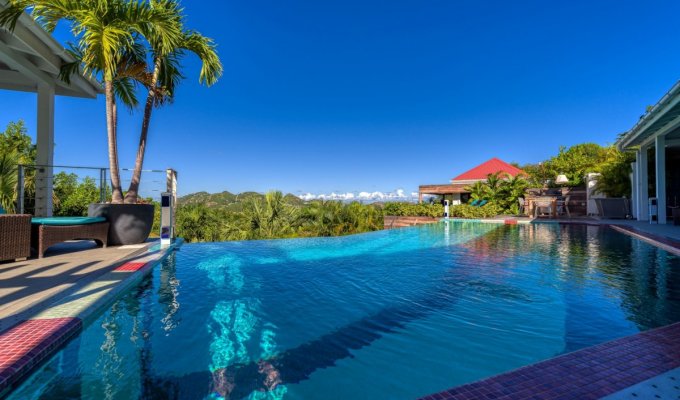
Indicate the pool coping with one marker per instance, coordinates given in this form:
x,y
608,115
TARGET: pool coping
x,y
26,345
590,373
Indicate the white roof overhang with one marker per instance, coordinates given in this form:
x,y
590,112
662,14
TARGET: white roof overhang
x,y
662,118
30,57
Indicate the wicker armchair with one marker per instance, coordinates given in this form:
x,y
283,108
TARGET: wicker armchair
x,y
15,236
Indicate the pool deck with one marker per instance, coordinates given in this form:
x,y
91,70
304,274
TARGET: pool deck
x,y
45,302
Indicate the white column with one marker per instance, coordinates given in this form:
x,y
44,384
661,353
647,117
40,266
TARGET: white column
x,y
45,150
660,147
633,192
642,184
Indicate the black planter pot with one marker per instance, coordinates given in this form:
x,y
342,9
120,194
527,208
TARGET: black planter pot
x,y
129,223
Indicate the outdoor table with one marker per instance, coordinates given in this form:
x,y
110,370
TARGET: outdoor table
x,y
553,204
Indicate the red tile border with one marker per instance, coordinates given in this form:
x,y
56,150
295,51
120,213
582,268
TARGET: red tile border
x,y
131,266
590,373
24,346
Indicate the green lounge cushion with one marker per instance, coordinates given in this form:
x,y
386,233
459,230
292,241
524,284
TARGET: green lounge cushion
x,y
65,221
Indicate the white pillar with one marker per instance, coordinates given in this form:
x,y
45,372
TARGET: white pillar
x,y
633,185
660,146
642,184
45,150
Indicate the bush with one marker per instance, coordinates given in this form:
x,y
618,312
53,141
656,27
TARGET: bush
x,y
413,210
437,210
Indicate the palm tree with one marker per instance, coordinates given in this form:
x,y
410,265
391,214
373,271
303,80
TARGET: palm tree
x,y
106,32
477,190
167,74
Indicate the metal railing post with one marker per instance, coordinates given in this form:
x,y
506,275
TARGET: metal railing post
x,y
20,189
102,185
171,187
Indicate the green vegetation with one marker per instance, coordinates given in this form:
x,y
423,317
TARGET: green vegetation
x,y
15,148
578,160
272,216
501,194
437,210
73,197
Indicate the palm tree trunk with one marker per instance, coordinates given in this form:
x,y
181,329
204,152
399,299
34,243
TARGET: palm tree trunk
x,y
117,193
133,191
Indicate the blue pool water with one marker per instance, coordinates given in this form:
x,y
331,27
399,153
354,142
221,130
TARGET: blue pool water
x,y
385,315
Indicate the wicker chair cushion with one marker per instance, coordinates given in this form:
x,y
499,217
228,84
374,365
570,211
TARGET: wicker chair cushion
x,y
65,221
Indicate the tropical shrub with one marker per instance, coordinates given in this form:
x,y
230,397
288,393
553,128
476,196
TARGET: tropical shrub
x,y
437,210
501,193
73,197
413,210
275,216
16,148
614,179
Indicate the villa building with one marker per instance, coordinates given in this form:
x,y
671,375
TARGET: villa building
x,y
456,191
655,138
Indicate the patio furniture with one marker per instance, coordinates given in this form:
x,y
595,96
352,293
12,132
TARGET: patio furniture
x,y
539,204
614,207
547,205
563,207
46,232
15,236
474,203
482,203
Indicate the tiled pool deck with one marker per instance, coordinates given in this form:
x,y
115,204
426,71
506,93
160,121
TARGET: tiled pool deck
x,y
29,342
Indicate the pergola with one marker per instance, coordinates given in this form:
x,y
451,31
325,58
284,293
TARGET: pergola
x,y
655,135
30,61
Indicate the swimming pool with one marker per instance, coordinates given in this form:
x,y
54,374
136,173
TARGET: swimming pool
x,y
391,314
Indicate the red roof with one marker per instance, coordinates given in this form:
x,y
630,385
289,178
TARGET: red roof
x,y
492,166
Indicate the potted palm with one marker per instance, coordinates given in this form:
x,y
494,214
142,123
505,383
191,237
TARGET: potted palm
x,y
114,40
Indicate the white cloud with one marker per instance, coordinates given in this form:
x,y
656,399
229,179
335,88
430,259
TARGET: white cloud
x,y
396,195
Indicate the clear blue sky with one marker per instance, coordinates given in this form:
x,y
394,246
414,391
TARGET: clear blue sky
x,y
321,96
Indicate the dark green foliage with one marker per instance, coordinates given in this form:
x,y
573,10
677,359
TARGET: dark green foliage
x,y
271,216
73,197
614,180
437,210
502,193
577,161
16,148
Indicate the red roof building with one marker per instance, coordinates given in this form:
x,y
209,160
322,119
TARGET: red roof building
x,y
457,191
482,171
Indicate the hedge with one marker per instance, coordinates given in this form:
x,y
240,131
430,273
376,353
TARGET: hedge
x,y
437,210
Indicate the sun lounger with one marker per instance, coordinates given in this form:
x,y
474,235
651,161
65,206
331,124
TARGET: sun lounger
x,y
46,232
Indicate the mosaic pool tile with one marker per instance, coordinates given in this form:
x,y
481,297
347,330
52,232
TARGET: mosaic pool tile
x,y
590,373
28,343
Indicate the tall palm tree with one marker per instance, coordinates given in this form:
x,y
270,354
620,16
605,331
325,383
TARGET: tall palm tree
x,y
166,74
105,32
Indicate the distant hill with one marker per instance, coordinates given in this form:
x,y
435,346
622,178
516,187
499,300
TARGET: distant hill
x,y
227,199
